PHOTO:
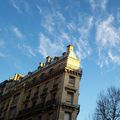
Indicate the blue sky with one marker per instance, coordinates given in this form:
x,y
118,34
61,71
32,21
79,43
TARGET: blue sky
x,y
32,29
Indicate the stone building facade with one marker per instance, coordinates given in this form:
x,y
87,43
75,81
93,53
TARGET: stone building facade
x,y
48,93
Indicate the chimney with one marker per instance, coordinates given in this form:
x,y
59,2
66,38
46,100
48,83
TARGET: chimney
x,y
41,65
48,60
70,48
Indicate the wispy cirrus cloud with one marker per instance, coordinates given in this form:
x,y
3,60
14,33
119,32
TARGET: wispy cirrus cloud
x,y
98,4
39,9
17,32
27,50
48,47
52,20
83,48
115,58
107,35
20,5
108,41
69,32
65,36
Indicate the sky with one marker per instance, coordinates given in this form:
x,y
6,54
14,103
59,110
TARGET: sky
x,y
30,30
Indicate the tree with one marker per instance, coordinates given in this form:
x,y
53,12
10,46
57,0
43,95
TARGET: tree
x,y
108,105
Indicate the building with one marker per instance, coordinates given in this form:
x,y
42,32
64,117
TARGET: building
x,y
48,93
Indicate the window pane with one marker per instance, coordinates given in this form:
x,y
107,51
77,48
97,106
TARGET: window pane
x,y
70,97
72,80
15,99
67,116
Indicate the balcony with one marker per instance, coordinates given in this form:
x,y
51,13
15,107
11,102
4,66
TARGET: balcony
x,y
30,111
71,106
39,108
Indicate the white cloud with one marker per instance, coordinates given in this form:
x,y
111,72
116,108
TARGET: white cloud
x,y
27,50
71,26
83,48
107,35
20,5
114,58
108,41
39,9
48,23
49,47
52,20
65,36
98,4
17,32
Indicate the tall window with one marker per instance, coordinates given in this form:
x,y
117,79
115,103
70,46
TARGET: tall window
x,y
50,116
67,116
71,80
15,99
12,112
69,98
28,95
40,117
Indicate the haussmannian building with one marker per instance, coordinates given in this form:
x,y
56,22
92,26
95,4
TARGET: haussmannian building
x,y
48,93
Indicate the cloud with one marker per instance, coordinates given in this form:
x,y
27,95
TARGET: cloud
x,y
98,4
17,32
108,41
20,5
48,24
83,48
48,47
71,26
65,36
39,9
114,58
52,20
27,50
107,35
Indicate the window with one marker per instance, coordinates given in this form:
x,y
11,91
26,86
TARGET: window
x,y
29,119
15,99
43,100
71,80
69,98
56,80
12,112
26,105
37,91
34,102
53,96
40,117
29,93
67,116
50,116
